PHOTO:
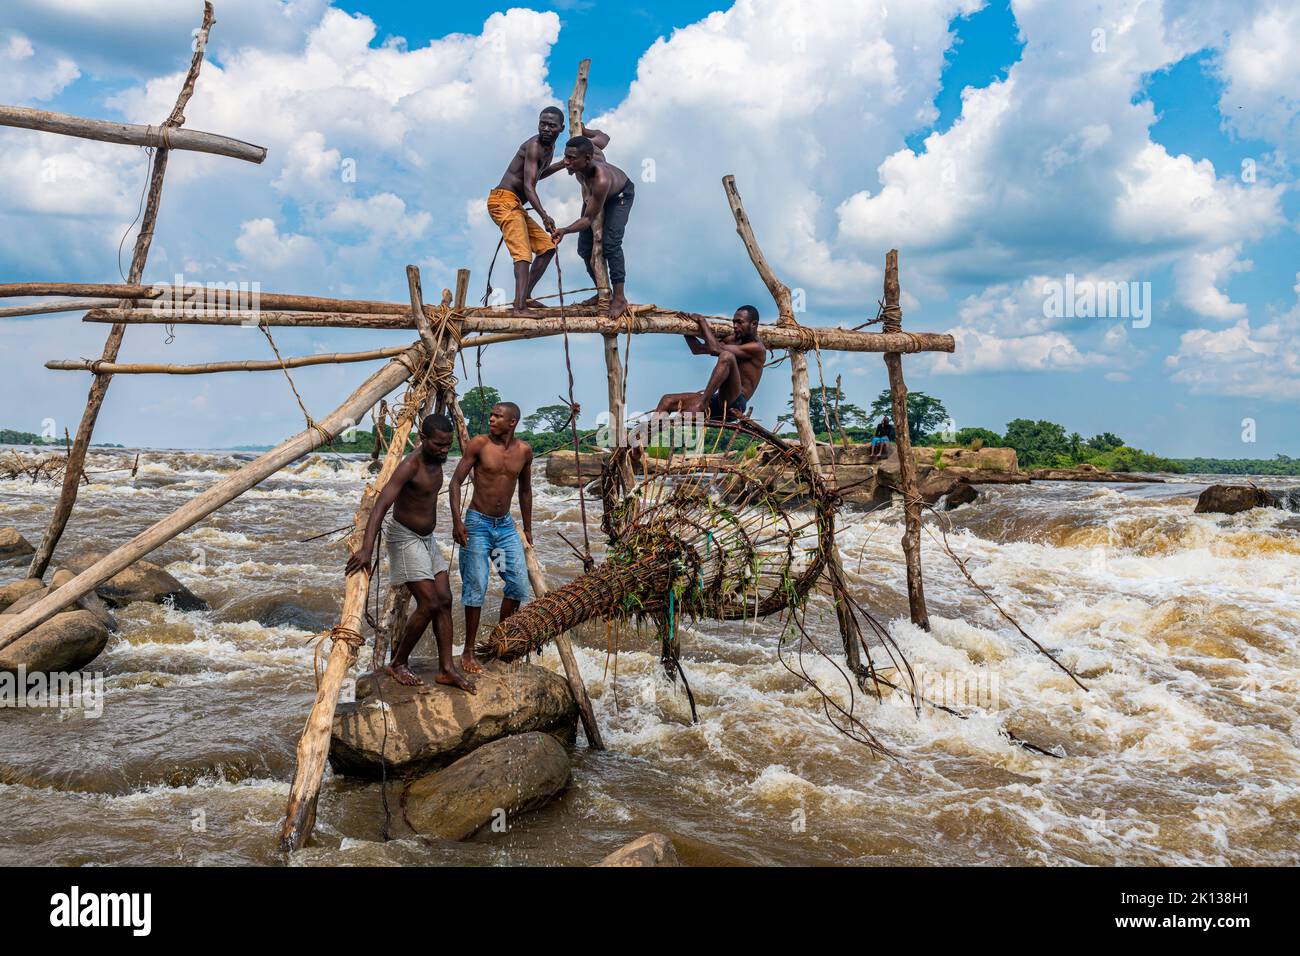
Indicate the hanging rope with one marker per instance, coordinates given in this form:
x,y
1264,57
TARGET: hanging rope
x,y
588,562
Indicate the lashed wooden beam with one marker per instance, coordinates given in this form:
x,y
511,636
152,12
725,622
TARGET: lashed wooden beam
x,y
50,308
130,134
657,321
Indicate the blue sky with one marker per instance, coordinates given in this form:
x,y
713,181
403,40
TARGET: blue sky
x,y
1001,147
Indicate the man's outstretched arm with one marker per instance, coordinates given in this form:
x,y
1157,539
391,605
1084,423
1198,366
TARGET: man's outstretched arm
x,y
595,202
531,154
598,138
468,459
401,475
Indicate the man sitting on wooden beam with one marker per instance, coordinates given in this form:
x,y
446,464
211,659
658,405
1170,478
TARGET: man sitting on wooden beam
x,y
735,377
523,236
608,189
414,558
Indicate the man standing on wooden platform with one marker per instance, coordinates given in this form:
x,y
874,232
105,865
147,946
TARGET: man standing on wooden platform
x,y
609,189
523,236
500,462
735,377
413,556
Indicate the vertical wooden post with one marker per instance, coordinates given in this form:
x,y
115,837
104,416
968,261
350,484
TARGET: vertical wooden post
x,y
617,409
72,472
800,396
906,463
462,289
577,102
565,646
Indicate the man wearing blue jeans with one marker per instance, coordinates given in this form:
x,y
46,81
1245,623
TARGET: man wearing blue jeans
x,y
486,535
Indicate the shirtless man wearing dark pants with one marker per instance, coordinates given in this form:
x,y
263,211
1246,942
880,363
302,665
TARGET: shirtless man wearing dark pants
x,y
413,555
487,537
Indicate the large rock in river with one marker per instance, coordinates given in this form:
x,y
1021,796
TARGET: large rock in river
x,y
653,849
87,602
1230,499
14,590
432,725
142,581
13,546
66,642
498,781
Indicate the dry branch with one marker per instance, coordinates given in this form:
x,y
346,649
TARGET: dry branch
x,y
129,134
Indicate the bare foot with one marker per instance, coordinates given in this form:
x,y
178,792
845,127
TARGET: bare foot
x,y
403,675
469,663
454,678
534,304
523,313
594,300
617,307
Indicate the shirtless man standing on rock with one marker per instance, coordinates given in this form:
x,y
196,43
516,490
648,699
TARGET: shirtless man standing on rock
x,y
487,535
413,556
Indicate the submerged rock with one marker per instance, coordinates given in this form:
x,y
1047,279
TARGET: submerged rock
x,y
142,581
11,592
1231,499
432,725
653,849
66,642
961,494
13,545
498,781
281,610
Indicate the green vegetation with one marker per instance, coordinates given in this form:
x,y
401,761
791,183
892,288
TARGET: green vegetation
x,y
1279,465
924,413
833,408
10,436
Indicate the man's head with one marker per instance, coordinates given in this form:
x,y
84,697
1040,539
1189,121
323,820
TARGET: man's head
x,y
579,154
549,124
745,323
502,419
435,437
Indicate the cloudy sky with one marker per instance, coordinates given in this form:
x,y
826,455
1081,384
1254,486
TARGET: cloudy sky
x,y
1005,150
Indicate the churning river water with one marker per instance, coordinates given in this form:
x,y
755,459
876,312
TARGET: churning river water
x,y
1184,750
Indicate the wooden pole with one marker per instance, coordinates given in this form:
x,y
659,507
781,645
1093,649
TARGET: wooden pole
x,y
268,365
462,289
799,391
906,464
50,308
313,745
199,507
99,387
158,137
577,102
654,321
565,646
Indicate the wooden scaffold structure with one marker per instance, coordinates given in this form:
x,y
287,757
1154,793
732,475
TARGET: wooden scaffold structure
x,y
425,366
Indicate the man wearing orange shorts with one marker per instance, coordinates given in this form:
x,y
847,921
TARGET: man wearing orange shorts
x,y
524,238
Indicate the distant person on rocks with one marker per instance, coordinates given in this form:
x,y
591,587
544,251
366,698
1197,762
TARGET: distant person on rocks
x,y
881,440
500,463
414,558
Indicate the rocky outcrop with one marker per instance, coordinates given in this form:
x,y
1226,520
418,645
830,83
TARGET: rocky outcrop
x,y
1086,472
13,546
985,459
562,470
962,493
1231,499
494,784
142,581
66,642
14,590
653,849
433,725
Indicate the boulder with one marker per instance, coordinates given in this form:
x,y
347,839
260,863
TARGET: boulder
x,y
961,494
563,471
432,725
90,602
496,782
13,546
11,592
1231,499
66,642
986,459
653,849
1088,472
142,581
